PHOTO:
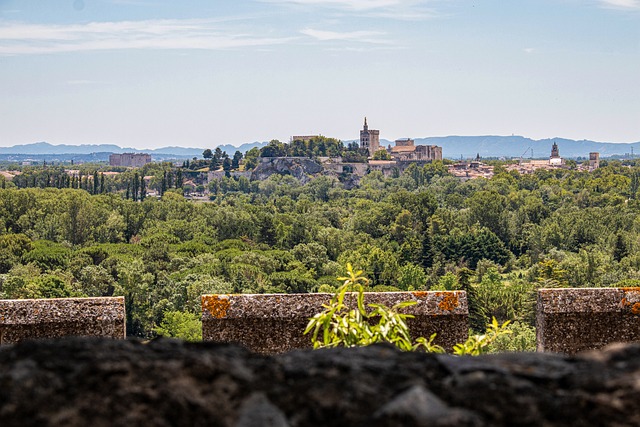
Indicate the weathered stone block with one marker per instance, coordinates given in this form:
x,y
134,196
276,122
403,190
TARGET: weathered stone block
x,y
573,320
274,323
58,317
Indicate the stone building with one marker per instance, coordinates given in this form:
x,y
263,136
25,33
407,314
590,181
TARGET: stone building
x,y
594,160
555,159
135,160
303,138
369,139
406,150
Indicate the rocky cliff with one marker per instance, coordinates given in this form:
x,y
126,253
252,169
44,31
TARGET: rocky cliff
x,y
100,382
299,167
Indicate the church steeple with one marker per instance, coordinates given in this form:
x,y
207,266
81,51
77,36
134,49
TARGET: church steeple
x,y
369,139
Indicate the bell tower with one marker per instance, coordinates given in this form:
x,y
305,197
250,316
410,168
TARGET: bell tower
x,y
369,139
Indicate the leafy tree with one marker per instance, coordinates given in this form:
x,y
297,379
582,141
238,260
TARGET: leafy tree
x,y
251,158
176,324
275,148
235,163
381,155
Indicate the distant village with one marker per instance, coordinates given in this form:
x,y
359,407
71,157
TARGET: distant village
x,y
390,161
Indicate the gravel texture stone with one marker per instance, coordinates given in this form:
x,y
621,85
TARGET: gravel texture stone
x,y
274,323
58,317
103,382
571,320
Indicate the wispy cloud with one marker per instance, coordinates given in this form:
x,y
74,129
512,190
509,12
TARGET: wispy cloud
x,y
20,38
358,36
389,9
84,82
621,4
347,4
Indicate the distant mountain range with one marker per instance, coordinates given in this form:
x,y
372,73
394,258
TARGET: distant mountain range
x,y
453,147
518,146
44,148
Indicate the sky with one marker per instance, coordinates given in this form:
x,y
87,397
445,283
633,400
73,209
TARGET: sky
x,y
152,73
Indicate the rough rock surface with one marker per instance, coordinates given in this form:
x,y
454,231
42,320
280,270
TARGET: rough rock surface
x,y
60,317
100,382
298,167
275,323
570,320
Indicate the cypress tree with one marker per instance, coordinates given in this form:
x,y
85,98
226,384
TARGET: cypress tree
x,y
95,182
179,179
143,189
135,187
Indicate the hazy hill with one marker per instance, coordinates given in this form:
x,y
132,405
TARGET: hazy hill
x,y
516,146
44,148
452,147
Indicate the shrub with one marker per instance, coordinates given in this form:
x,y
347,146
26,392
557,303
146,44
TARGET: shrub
x,y
338,325
176,324
522,338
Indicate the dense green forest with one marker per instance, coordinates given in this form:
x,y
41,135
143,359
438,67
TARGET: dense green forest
x,y
499,239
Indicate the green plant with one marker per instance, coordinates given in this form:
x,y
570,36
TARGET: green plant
x,y
176,324
476,345
340,325
521,338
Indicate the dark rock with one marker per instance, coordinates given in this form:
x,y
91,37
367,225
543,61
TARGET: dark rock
x,y
257,411
100,382
419,407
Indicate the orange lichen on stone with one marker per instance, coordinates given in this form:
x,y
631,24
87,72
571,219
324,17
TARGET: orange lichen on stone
x,y
624,302
216,305
419,294
449,301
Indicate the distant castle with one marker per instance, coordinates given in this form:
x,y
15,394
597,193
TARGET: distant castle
x,y
134,160
405,149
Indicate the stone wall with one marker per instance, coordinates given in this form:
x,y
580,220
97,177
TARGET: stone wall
x,y
100,382
573,320
274,323
58,317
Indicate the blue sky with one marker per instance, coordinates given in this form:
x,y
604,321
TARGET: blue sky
x,y
150,73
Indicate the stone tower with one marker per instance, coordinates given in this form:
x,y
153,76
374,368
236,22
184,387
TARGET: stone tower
x,y
555,153
369,139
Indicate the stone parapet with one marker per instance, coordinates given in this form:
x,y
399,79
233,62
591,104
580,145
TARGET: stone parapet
x,y
59,317
274,323
577,319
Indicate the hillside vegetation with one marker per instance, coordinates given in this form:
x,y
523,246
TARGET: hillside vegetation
x,y
499,239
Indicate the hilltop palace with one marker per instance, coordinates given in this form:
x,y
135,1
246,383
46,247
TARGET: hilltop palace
x,y
404,153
